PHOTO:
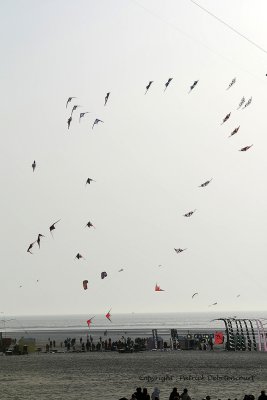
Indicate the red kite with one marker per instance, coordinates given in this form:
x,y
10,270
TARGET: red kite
x,y
108,315
85,284
33,166
158,289
218,338
89,321
194,295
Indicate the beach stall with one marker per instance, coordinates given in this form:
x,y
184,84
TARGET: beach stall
x,y
27,345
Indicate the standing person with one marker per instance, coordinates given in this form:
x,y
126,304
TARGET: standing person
x,y
262,396
155,394
145,395
174,394
138,394
185,395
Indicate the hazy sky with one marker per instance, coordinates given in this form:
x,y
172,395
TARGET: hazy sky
x,y
147,158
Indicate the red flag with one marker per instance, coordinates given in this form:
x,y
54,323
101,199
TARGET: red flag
x,y
218,338
108,315
158,289
89,321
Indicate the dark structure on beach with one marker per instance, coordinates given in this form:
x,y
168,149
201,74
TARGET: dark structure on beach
x,y
244,334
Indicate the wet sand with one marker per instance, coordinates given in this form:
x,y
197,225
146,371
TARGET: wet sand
x,y
110,375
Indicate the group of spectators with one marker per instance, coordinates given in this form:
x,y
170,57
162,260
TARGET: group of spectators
x,y
140,394
126,344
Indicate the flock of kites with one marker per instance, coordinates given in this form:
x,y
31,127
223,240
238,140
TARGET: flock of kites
x,y
243,104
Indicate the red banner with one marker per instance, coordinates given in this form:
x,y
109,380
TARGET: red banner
x,y
218,338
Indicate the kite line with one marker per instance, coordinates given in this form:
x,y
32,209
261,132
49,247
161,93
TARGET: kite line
x,y
229,26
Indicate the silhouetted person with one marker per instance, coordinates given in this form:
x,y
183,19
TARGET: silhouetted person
x,y
174,394
185,395
155,394
138,394
262,396
145,395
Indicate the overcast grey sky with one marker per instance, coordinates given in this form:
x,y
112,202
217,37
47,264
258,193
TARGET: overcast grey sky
x,y
147,158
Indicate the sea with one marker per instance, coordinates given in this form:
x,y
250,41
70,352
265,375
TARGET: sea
x,y
111,375
124,322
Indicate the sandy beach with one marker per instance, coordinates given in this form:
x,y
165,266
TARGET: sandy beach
x,y
111,376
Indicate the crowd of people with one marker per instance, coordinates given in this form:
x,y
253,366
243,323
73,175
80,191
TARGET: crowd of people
x,y
140,394
89,344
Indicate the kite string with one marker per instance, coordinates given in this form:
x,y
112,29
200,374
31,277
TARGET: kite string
x,y
230,61
229,26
